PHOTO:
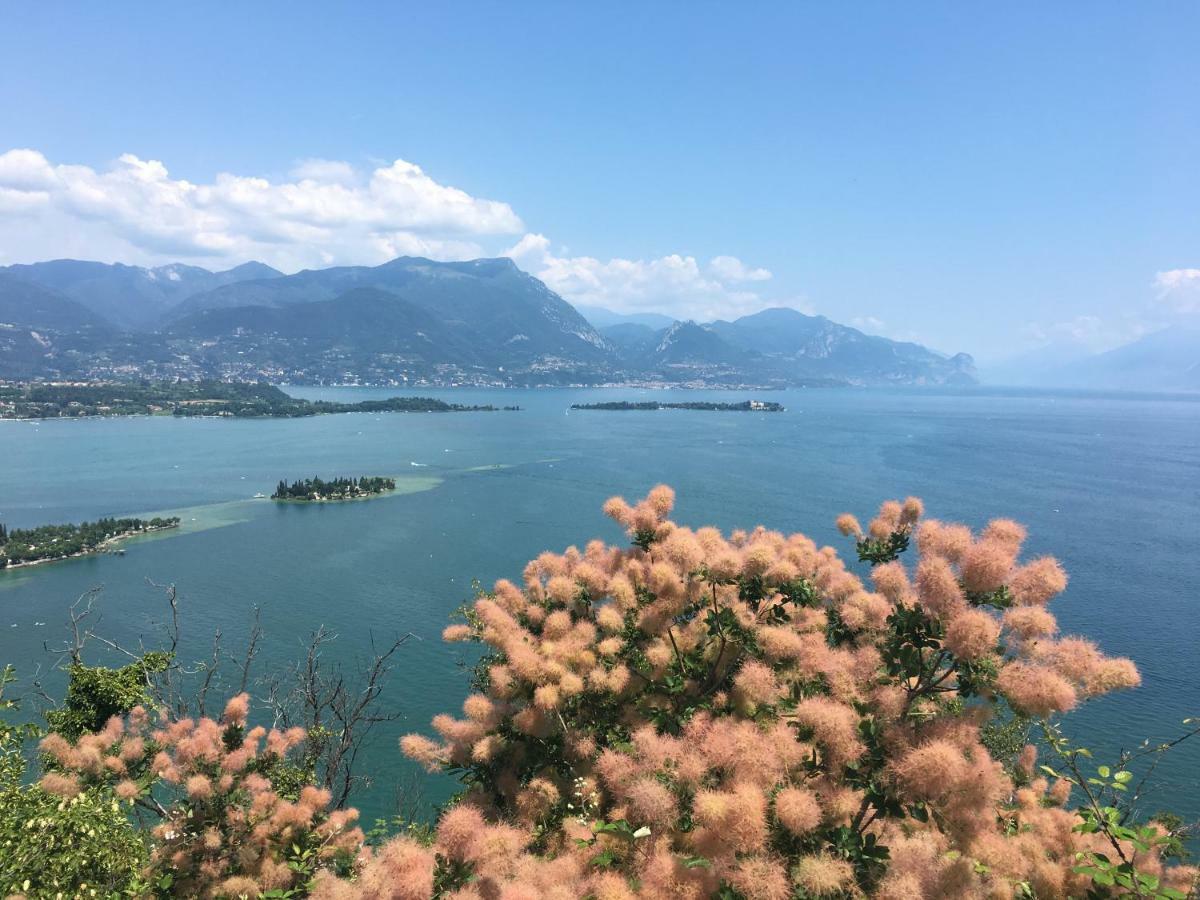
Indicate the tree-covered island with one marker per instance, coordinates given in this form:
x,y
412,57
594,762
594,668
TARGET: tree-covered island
x,y
316,490
706,406
29,546
191,398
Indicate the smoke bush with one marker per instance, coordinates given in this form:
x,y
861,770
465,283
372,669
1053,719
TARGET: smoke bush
x,y
743,715
695,715
226,828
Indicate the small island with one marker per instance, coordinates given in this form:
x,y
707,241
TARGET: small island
x,y
241,400
317,490
30,546
652,405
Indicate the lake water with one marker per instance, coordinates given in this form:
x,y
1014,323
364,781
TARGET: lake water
x,y
1109,484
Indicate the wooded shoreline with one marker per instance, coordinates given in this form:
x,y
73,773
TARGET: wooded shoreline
x,y
104,546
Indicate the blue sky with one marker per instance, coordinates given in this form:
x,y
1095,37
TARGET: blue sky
x,y
979,177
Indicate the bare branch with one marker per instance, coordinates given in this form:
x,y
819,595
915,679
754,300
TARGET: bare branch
x,y
210,671
251,649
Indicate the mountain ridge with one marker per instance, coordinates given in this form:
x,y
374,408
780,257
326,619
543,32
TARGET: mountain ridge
x,y
412,319
106,288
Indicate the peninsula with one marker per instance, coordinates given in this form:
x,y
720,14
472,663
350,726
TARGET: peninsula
x,y
30,546
316,490
190,398
651,405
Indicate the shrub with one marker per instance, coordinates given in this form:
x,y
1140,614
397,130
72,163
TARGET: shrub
x,y
226,826
57,846
700,715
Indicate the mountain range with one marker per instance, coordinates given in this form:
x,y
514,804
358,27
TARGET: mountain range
x,y
411,320
1165,360
132,297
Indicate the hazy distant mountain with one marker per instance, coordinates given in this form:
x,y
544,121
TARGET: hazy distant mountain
x,y
1166,360
605,318
783,346
483,321
795,345
131,297
1032,367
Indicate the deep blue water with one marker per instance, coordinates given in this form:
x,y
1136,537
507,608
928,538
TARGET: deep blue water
x,y
1109,484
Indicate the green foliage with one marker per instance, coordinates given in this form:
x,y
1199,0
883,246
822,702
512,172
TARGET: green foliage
x,y
1113,870
12,737
335,489
1000,599
1105,812
190,398
877,551
1005,736
54,847
95,694
862,851
621,829
1175,827
23,545
914,646
51,847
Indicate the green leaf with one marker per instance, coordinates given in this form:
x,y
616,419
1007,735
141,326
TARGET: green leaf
x,y
1104,771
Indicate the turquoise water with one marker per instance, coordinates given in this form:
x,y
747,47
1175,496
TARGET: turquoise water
x,y
1109,484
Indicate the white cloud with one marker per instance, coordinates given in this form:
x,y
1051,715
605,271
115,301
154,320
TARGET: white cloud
x,y
134,211
1176,302
868,323
25,170
332,171
675,285
730,268
1089,334
877,326
1179,290
329,212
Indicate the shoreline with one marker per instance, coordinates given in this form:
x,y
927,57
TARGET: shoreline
x,y
374,495
316,415
103,547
